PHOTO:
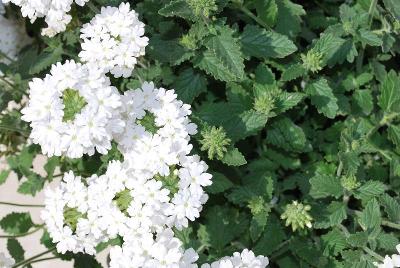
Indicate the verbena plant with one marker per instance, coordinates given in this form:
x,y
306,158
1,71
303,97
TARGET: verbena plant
x,y
297,105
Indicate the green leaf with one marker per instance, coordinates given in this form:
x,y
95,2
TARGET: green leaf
x,y
85,261
48,57
220,184
50,166
267,11
394,134
391,206
369,190
393,6
287,100
370,217
4,175
289,17
259,43
189,84
15,249
16,223
333,242
292,72
387,241
223,58
222,225
32,185
271,238
331,216
234,158
370,38
285,134
176,53
324,183
359,239
322,97
179,8
389,98
258,224
363,99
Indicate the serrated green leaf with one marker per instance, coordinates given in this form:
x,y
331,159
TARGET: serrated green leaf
x,y
369,190
220,183
189,85
391,206
363,99
394,134
223,58
289,17
15,249
333,215
258,224
333,242
16,223
322,97
46,59
267,10
324,183
179,8
85,261
359,239
272,237
32,185
370,38
285,134
222,225
292,72
234,158
259,43
286,100
387,241
389,98
50,166
370,217
393,7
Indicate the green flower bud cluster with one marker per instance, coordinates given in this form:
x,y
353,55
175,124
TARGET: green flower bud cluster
x,y
214,141
71,217
312,61
73,104
349,182
297,216
203,8
264,104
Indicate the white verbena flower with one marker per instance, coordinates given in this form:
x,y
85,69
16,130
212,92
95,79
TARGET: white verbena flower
x,y
72,111
114,39
55,12
6,262
157,129
245,259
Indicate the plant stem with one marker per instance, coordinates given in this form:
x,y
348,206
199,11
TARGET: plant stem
x,y
250,14
6,81
6,56
391,224
28,261
387,119
93,7
44,259
21,205
21,235
20,131
373,254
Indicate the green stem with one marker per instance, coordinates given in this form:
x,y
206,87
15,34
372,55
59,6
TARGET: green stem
x,y
281,248
387,119
2,54
20,131
373,254
21,205
6,81
93,7
28,261
21,235
250,14
44,259
391,224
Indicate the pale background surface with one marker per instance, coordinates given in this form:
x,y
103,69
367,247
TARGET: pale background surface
x,y
31,243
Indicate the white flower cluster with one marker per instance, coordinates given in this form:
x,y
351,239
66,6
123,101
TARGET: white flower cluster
x,y
157,129
391,262
121,203
240,260
6,262
142,250
54,12
114,39
73,111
